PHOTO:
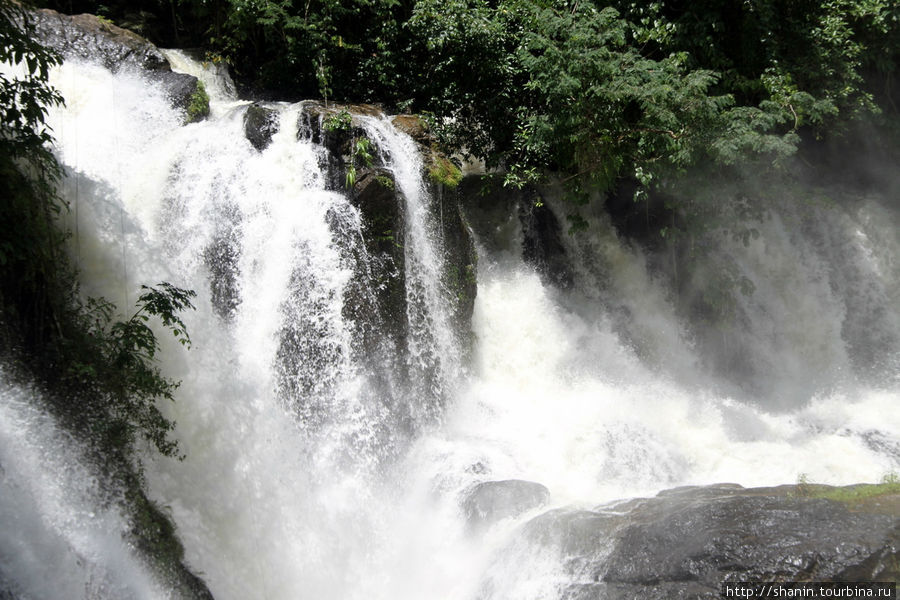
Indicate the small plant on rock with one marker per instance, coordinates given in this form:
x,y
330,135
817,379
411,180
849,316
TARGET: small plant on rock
x,y
339,121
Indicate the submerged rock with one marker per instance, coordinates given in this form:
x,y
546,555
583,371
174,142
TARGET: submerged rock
x,y
685,543
491,501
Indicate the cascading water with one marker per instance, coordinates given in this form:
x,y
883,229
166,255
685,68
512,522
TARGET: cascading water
x,y
62,533
318,467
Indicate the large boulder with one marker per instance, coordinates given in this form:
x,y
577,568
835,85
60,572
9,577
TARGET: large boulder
x,y
461,261
491,501
687,542
260,124
335,127
383,226
90,38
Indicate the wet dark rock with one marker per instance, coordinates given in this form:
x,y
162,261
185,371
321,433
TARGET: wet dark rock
x,y
542,245
535,232
686,542
382,208
491,501
315,127
260,124
222,257
180,88
317,124
460,259
383,227
6,590
90,38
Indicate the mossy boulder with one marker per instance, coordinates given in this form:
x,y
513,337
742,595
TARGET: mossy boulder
x,y
337,128
197,108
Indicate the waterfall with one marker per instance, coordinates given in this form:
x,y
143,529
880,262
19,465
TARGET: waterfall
x,y
62,532
320,467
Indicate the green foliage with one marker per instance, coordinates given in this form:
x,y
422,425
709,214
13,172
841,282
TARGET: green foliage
x,y
24,100
337,122
851,494
593,90
595,93
387,183
198,108
329,48
444,171
117,358
360,153
31,246
100,371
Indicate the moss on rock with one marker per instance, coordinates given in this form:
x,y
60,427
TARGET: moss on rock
x,y
198,107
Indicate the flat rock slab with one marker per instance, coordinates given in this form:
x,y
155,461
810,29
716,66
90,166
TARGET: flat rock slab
x,y
687,542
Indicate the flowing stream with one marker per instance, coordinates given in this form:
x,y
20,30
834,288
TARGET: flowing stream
x,y
317,470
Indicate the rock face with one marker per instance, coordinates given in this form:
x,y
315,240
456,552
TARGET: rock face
x,y
87,37
461,276
414,127
491,501
260,124
537,232
686,542
383,220
382,208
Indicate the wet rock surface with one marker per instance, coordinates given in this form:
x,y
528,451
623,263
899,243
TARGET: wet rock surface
x,y
414,127
491,501
383,229
687,542
90,38
536,231
461,276
260,124
337,127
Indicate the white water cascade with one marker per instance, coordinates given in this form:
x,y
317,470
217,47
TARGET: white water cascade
x,y
62,537
300,480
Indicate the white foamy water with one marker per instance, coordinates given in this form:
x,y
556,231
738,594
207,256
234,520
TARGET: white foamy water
x,y
61,531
